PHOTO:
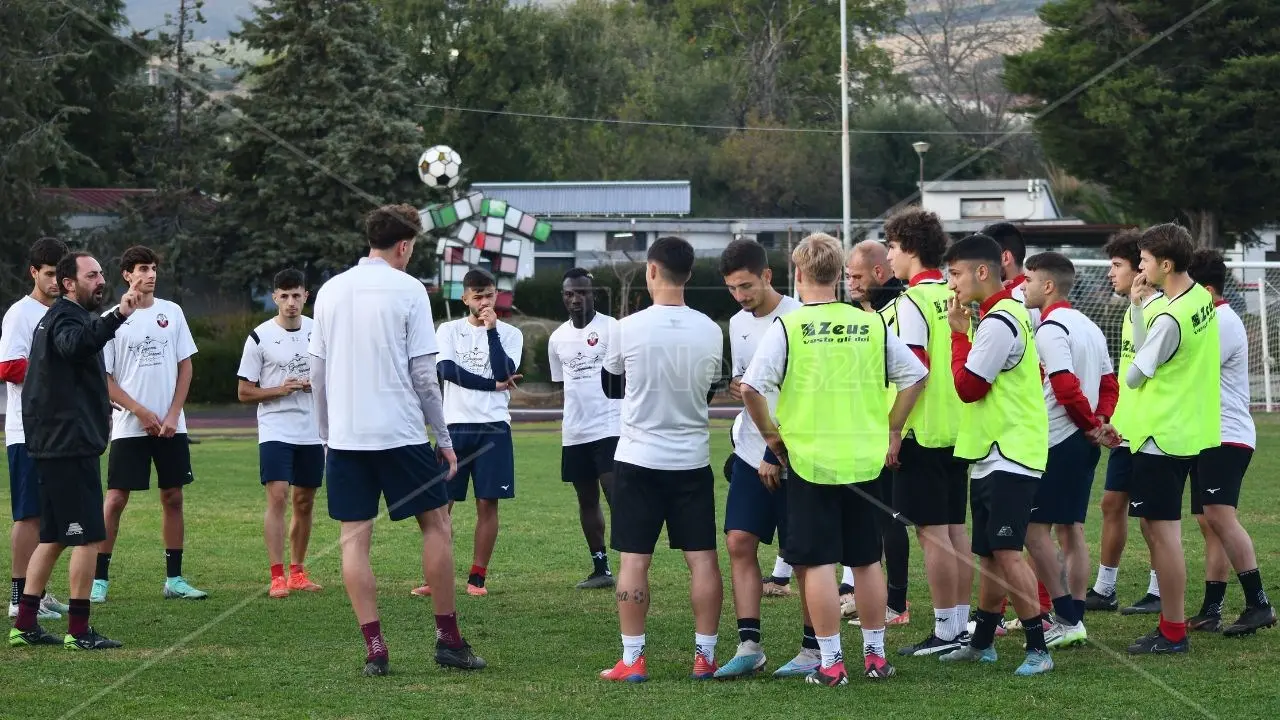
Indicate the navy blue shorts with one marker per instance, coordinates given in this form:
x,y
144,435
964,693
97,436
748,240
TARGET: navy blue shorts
x,y
298,465
408,478
1062,496
485,455
752,507
1119,469
24,484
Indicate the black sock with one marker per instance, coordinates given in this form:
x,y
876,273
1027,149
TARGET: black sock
x,y
599,562
1065,608
985,633
749,629
845,588
1080,608
898,599
104,567
475,579
1034,629
16,588
1254,595
809,641
173,563
1215,593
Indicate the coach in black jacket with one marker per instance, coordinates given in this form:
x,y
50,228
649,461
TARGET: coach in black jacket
x,y
66,414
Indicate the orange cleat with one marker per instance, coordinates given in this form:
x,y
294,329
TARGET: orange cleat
x,y
279,587
636,672
424,591
703,669
300,581
476,591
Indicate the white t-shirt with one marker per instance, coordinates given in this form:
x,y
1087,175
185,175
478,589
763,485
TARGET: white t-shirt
x,y
1237,423
19,325
1154,349
272,355
468,346
370,321
1068,341
997,346
143,358
745,333
575,356
670,355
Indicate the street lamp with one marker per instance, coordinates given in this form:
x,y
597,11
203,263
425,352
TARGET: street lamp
x,y
921,148
846,241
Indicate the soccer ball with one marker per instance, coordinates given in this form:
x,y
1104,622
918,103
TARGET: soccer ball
x,y
439,167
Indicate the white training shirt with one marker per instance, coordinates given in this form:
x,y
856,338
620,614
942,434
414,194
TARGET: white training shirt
x,y
997,346
143,358
272,355
745,333
670,355
1237,422
1154,347
1068,341
370,321
468,346
19,325
575,356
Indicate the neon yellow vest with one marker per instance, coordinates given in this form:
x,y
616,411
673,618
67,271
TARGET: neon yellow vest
x,y
1181,407
830,410
889,313
1012,415
1122,420
935,419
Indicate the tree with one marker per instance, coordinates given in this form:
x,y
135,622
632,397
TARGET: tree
x,y
1180,129
328,134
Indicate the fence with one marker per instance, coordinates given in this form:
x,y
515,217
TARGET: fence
x,y
1253,289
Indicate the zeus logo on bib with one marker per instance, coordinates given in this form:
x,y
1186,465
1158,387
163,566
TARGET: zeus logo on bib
x,y
1201,316
833,332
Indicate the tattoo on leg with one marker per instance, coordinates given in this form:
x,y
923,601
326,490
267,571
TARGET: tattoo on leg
x,y
637,596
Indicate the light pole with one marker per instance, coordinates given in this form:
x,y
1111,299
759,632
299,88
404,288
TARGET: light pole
x,y
921,148
844,125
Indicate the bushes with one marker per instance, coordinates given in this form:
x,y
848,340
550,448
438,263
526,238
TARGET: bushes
x,y
220,341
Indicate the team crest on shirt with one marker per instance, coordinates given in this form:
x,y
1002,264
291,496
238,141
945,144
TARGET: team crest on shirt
x,y
162,320
592,339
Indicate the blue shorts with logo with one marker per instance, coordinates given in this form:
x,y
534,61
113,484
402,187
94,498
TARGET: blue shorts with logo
x,y
298,465
486,456
24,484
1119,469
1062,496
408,478
752,507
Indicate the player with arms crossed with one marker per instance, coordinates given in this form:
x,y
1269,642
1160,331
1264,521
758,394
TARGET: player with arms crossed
x,y
20,322
663,365
275,375
589,431
149,373
1219,471
1005,434
1080,390
752,511
373,378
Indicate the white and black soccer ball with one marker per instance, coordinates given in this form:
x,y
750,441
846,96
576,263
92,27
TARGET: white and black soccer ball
x,y
440,166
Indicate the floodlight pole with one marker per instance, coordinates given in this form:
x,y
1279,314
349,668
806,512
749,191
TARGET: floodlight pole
x,y
844,125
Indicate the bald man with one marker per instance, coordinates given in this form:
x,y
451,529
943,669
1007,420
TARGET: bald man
x,y
872,285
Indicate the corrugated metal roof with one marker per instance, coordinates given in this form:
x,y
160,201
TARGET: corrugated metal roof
x,y
593,199
981,185
99,200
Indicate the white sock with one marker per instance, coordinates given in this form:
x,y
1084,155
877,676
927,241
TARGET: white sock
x,y
960,620
873,642
942,624
1153,586
632,648
1106,583
781,569
705,645
829,647
847,578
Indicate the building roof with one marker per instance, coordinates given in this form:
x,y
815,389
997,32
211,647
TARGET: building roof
x,y
1013,185
95,200
593,199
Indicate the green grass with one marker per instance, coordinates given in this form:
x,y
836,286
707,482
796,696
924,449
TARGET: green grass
x,y
240,654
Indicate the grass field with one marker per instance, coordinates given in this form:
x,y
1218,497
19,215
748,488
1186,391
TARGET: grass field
x,y
240,654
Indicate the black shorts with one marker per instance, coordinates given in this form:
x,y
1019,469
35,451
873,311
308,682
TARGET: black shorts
x,y
1119,469
832,524
586,462
1156,490
1063,494
407,478
929,485
645,499
1217,475
1002,503
299,465
129,467
71,501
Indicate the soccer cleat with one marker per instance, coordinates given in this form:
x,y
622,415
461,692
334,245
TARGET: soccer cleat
x,y
931,645
51,604
1155,643
1252,620
801,665
99,592
1037,662
848,606
279,587
636,672
1205,622
179,588
41,613
377,667
423,591
877,668
831,677
1095,601
891,617
596,580
89,640
476,590
299,581
34,636
776,587
969,653
703,669
460,658
1148,605
748,661
1062,635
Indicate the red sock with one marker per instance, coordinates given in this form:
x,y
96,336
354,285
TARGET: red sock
x,y
78,622
447,632
1046,602
277,571
477,570
296,569
1004,605
373,642
28,607
1172,631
